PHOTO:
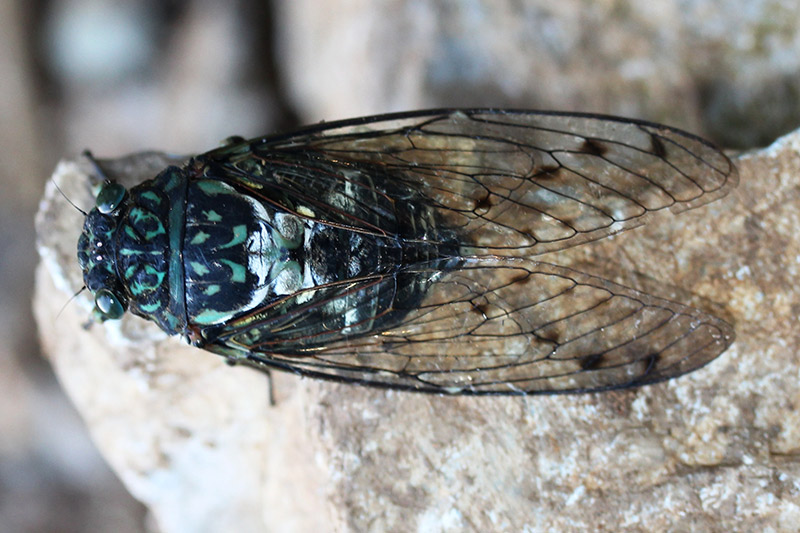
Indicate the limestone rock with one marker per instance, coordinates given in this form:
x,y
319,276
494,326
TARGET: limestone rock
x,y
200,444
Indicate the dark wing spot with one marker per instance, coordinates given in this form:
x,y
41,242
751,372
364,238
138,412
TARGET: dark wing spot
x,y
522,279
547,172
593,147
551,336
657,146
480,309
592,362
650,363
484,204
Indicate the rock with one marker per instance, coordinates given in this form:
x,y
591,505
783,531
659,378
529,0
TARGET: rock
x,y
200,444
728,70
715,450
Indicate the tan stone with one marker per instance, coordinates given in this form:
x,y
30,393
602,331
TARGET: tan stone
x,y
714,450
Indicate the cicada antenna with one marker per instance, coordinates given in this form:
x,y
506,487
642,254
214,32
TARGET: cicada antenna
x,y
96,164
71,298
84,213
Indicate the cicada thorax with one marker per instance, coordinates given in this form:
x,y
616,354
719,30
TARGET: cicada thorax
x,y
203,254
262,265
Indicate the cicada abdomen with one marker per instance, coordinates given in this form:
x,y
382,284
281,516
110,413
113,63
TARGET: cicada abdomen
x,y
397,251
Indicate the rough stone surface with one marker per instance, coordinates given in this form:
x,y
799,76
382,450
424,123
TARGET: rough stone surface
x,y
716,450
728,69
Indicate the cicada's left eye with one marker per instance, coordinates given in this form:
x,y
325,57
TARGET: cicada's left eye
x,y
108,304
109,197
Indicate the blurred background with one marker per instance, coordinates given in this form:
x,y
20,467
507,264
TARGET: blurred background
x,y
180,76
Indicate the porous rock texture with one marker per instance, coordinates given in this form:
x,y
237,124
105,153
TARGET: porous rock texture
x,y
201,445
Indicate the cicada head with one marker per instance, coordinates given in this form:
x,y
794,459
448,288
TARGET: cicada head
x,y
124,251
97,253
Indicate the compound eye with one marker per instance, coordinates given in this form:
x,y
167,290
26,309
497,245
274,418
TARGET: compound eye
x,y
109,197
108,304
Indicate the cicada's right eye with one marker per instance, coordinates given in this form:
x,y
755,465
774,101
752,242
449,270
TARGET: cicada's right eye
x,y
110,197
108,304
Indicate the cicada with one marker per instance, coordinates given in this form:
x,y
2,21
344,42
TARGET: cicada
x,y
400,251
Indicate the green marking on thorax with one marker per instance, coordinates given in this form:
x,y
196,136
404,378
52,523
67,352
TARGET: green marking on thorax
x,y
141,216
213,187
137,288
210,316
151,307
150,195
199,268
212,216
200,237
175,180
239,236
238,272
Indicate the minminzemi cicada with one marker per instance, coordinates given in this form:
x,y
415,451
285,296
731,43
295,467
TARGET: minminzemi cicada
x,y
399,251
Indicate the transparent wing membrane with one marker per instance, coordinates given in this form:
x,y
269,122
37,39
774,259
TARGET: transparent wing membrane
x,y
518,326
523,182
500,187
